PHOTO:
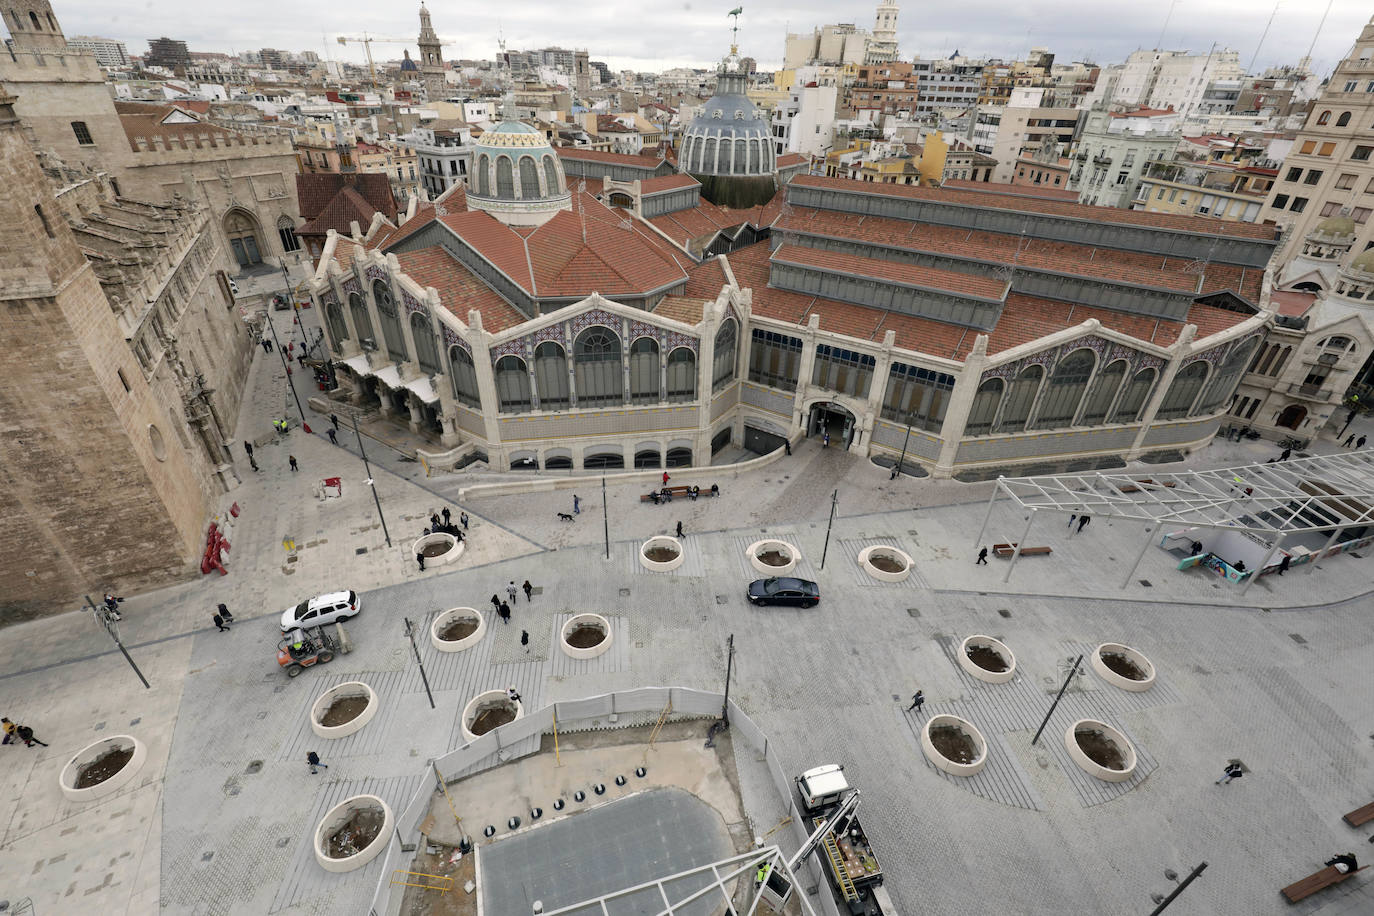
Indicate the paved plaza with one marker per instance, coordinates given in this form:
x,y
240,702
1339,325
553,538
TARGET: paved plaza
x,y
220,816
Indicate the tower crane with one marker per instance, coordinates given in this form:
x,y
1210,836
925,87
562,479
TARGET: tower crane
x,y
366,41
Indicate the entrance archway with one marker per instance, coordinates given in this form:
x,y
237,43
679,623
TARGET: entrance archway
x,y
1292,416
835,419
245,236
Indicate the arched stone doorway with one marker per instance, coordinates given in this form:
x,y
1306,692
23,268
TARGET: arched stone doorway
x,y
245,236
1292,416
835,419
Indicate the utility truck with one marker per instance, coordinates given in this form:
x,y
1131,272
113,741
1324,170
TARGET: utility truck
x,y
847,857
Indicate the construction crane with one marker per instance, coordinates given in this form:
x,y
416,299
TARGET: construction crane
x,y
366,41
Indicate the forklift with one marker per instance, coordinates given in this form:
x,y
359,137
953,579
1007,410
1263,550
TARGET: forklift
x,y
303,648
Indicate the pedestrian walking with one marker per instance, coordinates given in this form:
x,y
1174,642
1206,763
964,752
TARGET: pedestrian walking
x,y
333,436
9,728
495,603
918,700
1285,454
25,734
1284,563
529,591
1072,518
825,440
221,623
248,449
787,446
504,611
463,517
312,759
982,557
511,591
252,463
1359,443
447,516
512,694
292,460
433,521
224,612
665,478
1232,771
1083,522
525,639
679,530
112,607
420,558
577,504
335,420
1350,439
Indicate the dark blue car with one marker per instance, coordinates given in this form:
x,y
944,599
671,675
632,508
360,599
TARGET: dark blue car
x,y
784,590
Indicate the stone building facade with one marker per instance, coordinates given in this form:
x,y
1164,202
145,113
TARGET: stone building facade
x,y
127,359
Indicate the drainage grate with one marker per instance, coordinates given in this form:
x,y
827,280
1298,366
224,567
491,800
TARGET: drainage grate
x,y
1147,583
253,767
1297,638
913,612
1004,612
360,551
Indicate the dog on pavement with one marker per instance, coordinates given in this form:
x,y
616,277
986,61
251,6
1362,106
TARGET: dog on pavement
x,y
564,516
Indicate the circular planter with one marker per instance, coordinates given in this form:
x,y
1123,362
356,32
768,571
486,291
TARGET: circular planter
x,y
348,690
455,615
947,740
1001,657
1124,667
885,563
776,551
661,554
439,549
583,623
341,854
490,703
1087,739
98,760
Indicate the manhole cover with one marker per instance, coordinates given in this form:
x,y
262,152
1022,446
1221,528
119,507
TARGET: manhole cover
x,y
1004,612
100,726
1297,638
360,551
283,842
135,721
1147,583
253,767
206,856
624,593
913,612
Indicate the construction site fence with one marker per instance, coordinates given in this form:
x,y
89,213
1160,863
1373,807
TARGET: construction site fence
x,y
621,709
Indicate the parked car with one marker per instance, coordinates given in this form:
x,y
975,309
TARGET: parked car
x,y
784,590
321,610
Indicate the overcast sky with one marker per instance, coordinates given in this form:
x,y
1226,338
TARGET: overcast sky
x,y
632,34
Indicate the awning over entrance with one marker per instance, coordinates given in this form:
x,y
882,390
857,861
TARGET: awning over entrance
x,y
358,364
424,389
390,377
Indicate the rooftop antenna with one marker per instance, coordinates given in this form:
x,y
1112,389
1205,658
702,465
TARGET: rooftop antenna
x,y
1159,44
1249,71
1313,45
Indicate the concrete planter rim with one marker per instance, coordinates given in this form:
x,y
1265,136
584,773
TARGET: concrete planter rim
x,y
454,551
866,561
662,540
983,674
783,547
66,779
953,767
444,618
336,817
580,620
486,696
326,699
1137,657
1091,767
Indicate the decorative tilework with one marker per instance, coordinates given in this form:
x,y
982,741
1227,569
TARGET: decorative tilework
x,y
674,339
509,348
591,317
412,304
451,339
351,285
554,332
375,273
644,329
329,298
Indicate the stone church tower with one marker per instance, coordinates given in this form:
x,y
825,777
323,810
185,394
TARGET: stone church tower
x,y
431,59
34,27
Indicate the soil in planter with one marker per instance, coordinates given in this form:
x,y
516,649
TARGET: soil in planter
x,y
586,637
886,563
773,558
953,744
1100,749
1123,666
354,836
987,659
458,629
661,554
436,550
492,717
343,710
103,767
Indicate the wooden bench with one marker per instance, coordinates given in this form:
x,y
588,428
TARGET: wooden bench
x,y
1360,816
1300,890
1006,550
679,492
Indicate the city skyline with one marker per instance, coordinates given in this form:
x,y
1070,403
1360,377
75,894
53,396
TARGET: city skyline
x,y
700,35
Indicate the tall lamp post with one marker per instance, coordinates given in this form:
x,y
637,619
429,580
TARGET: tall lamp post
x,y
287,366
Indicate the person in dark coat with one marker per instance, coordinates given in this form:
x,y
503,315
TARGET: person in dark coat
x,y
1285,454
312,760
525,639
420,558
495,604
219,622
333,436
1083,522
529,591
679,530
463,517
1284,563
335,420
447,515
224,612
291,459
917,701
1232,771
504,611
982,557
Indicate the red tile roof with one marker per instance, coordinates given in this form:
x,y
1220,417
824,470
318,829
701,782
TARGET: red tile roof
x,y
962,284
1008,201
315,191
339,214
705,219
1014,190
591,155
1292,302
787,160
667,183
459,291
686,309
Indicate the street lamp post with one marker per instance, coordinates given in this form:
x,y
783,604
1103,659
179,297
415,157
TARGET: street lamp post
x,y
305,425
902,460
370,482
103,618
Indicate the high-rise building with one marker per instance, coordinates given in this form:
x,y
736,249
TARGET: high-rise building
x,y
1167,79
109,52
168,53
273,58
431,58
882,47
1114,149
582,75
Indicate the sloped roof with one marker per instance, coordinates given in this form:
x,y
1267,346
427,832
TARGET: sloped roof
x,y
647,163
459,291
315,191
343,209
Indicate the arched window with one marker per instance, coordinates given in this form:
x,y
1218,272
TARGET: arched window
x,y
464,377
52,23
483,175
708,161
1183,392
644,372
682,374
391,322
1137,390
338,328
741,156
1262,358
726,347
529,178
1067,384
33,18
984,409
551,177
1019,400
1344,119
362,321
1103,390
596,362
512,384
1324,118
286,231
1223,382
505,181
426,348
1282,362
754,156
688,146
551,376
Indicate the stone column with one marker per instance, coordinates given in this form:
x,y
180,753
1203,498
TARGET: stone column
x,y
873,405
1181,349
490,403
808,365
960,404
